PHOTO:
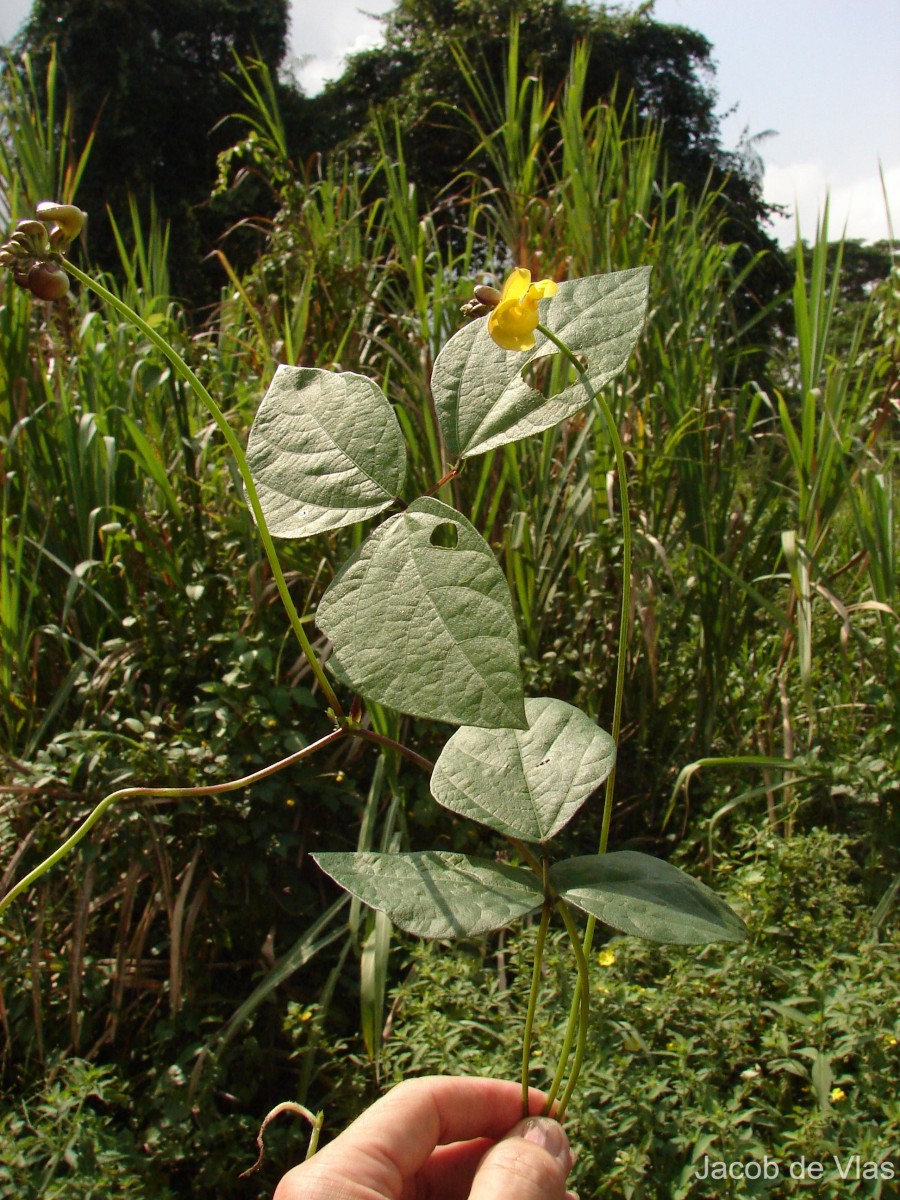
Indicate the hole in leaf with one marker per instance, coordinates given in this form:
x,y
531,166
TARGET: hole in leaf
x,y
445,536
552,373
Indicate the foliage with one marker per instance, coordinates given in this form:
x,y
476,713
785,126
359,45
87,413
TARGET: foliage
x,y
72,1140
151,85
447,65
663,65
808,1005
139,641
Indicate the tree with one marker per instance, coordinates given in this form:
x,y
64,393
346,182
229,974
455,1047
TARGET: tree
x,y
666,68
153,76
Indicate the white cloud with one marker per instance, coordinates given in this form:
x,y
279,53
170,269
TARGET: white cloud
x,y
858,206
313,72
322,34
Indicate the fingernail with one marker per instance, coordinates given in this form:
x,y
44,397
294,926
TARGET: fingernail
x,y
572,1196
549,1135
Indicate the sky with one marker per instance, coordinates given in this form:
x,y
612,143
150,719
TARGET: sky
x,y
820,78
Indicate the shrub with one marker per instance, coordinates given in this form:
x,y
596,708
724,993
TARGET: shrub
x,y
71,1139
788,1045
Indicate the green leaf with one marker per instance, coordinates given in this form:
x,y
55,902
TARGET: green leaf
x,y
427,627
373,965
482,399
325,450
648,898
822,1079
527,783
436,894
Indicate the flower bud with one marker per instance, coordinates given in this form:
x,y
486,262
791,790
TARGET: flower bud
x,y
69,218
34,232
47,281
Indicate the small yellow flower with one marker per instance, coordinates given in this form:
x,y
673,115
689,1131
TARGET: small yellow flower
x,y
890,1040
514,320
606,958
837,1095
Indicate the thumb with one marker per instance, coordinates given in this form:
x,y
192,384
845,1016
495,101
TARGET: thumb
x,y
530,1163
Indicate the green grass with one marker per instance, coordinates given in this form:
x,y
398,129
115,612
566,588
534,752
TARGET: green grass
x,y
142,642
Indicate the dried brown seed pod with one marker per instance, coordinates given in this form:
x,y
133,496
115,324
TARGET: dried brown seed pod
x,y
487,295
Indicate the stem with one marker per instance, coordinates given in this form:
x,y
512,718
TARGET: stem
x,y
578,1011
215,789
532,1002
584,1001
369,735
185,372
436,487
316,1120
622,478
531,859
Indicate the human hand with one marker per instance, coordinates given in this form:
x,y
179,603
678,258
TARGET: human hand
x,y
441,1138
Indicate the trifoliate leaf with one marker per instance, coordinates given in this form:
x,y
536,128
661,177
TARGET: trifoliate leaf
x,y
436,894
421,620
526,783
482,399
648,898
325,450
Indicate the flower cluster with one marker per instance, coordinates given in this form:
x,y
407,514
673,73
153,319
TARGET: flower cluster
x,y
36,249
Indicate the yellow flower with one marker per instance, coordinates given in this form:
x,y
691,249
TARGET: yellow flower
x,y
514,320
606,958
837,1095
890,1040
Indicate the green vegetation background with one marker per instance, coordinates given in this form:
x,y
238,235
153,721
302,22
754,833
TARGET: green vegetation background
x,y
188,968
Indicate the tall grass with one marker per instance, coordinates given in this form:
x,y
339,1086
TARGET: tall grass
x,y
132,594
38,157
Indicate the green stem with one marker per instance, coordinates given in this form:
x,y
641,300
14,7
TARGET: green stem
x,y
565,1050
584,1003
578,1012
536,865
215,789
622,478
532,1002
184,371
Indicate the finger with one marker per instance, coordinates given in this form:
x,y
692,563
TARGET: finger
x,y
393,1139
448,1173
531,1163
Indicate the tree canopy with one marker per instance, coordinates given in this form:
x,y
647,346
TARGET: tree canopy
x,y
153,77
668,68
665,71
